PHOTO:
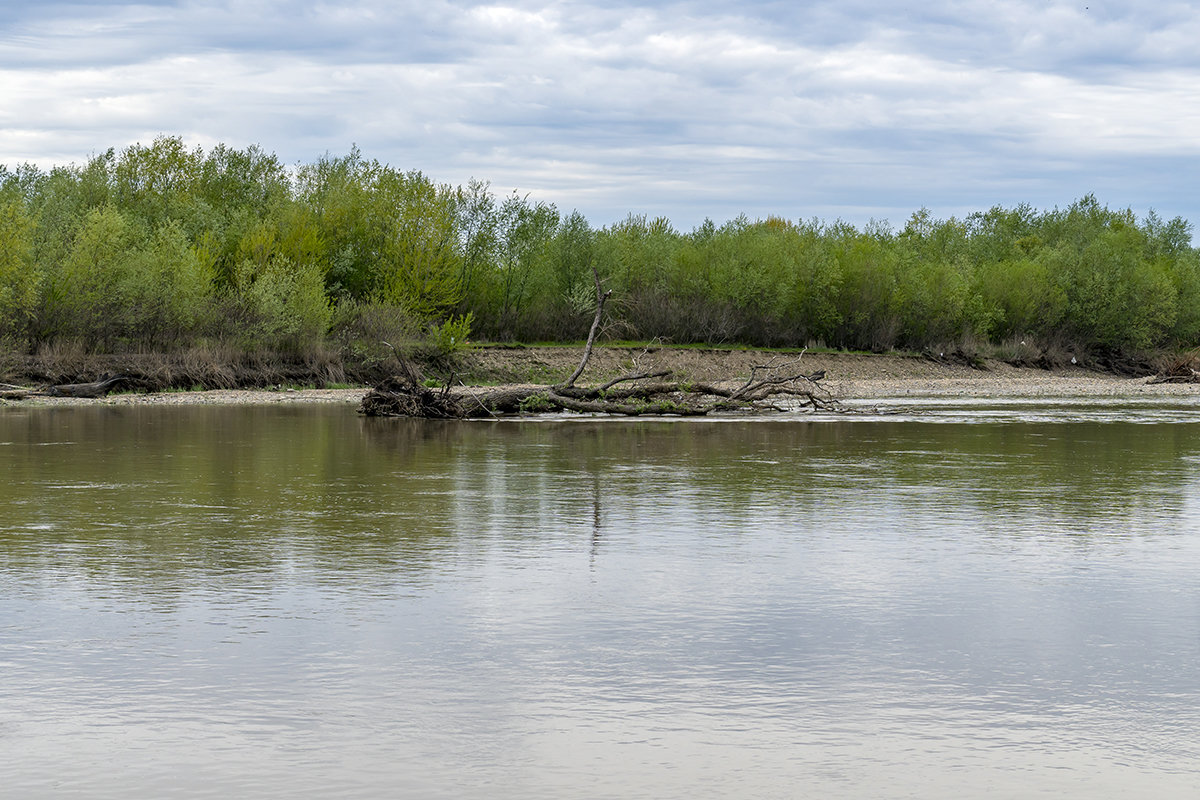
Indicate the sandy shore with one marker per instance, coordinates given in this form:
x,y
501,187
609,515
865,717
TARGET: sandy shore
x,y
882,389
849,377
1047,385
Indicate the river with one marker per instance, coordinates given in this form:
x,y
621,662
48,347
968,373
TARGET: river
x,y
987,600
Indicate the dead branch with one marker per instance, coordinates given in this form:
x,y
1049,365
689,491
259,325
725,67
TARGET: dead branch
x,y
638,392
601,298
636,376
1182,369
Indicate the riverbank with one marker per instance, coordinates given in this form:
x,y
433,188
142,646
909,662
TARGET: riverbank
x,y
849,376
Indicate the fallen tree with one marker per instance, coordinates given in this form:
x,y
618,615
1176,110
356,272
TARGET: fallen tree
x,y
770,387
776,386
94,389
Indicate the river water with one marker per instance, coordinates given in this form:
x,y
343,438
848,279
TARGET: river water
x,y
989,600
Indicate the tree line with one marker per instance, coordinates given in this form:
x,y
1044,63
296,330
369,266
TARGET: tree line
x,y
164,247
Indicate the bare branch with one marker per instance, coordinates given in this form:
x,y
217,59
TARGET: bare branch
x,y
601,298
637,376
639,392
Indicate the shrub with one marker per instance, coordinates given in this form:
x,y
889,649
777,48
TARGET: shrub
x,y
451,338
287,306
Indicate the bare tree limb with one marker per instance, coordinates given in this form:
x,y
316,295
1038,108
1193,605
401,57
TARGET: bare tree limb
x,y
601,298
636,376
639,392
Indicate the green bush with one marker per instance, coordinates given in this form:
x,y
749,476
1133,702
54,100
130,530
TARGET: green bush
x,y
86,296
288,310
452,337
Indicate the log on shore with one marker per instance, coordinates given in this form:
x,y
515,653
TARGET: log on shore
x,y
98,388
94,389
10,392
637,394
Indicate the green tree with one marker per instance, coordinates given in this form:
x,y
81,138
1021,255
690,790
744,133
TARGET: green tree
x,y
524,232
477,223
19,279
166,291
421,265
85,295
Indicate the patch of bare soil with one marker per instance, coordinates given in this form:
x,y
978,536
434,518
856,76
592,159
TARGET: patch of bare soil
x,y
551,364
848,375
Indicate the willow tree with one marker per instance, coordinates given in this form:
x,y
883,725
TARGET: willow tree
x,y
421,265
19,280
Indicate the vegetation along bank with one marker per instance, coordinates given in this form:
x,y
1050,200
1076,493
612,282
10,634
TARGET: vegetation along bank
x,y
231,265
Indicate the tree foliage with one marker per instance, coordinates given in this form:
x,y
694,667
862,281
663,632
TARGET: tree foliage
x,y
162,245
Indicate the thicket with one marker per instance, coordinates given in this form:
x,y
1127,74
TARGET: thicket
x,y
161,247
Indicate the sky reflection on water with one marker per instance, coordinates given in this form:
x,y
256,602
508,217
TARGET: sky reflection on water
x,y
272,602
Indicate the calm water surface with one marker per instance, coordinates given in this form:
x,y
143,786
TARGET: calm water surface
x,y
997,601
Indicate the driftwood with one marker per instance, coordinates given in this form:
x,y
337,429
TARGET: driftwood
x,y
1192,378
94,389
640,392
635,394
98,388
1181,370
10,392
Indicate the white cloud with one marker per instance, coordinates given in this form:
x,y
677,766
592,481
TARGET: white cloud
x,y
685,110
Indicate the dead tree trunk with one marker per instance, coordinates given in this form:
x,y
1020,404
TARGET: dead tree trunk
x,y
601,298
98,388
94,389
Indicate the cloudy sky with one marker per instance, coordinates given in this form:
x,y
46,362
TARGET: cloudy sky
x,y
855,109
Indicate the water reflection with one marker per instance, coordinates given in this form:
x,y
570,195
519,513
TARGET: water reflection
x,y
279,601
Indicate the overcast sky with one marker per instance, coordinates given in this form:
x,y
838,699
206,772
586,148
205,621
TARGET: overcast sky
x,y
855,109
